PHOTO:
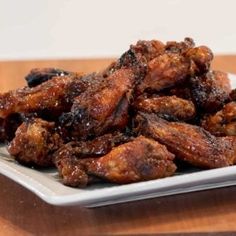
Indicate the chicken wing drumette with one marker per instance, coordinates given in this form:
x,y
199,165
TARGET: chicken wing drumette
x,y
35,142
140,159
189,143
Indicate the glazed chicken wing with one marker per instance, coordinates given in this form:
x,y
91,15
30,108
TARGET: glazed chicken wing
x,y
222,123
55,95
189,143
174,66
101,108
167,107
165,71
140,159
35,142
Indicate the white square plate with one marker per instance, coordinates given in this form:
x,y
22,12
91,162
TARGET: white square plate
x,y
47,186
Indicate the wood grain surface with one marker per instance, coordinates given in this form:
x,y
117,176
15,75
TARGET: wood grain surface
x,y
23,213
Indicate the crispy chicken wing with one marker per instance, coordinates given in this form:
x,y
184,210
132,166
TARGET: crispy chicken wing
x,y
222,123
167,107
35,142
140,159
210,91
55,96
101,108
190,143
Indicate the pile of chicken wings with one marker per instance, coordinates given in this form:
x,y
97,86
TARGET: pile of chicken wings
x,y
158,106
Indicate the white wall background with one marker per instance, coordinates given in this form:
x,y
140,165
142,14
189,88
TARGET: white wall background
x,y
35,29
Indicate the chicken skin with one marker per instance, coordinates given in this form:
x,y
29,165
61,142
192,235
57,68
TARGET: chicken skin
x,y
35,142
167,107
140,159
223,123
210,91
189,143
101,108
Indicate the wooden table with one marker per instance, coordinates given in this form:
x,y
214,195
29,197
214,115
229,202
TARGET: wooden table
x,y
23,213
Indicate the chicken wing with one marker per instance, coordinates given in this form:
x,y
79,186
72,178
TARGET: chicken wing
x,y
222,123
34,143
165,71
189,143
210,91
101,108
140,159
173,67
55,95
167,107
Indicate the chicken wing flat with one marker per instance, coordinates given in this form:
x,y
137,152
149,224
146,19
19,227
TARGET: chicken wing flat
x,y
34,143
167,107
55,95
140,159
101,108
222,123
39,75
189,143
210,91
